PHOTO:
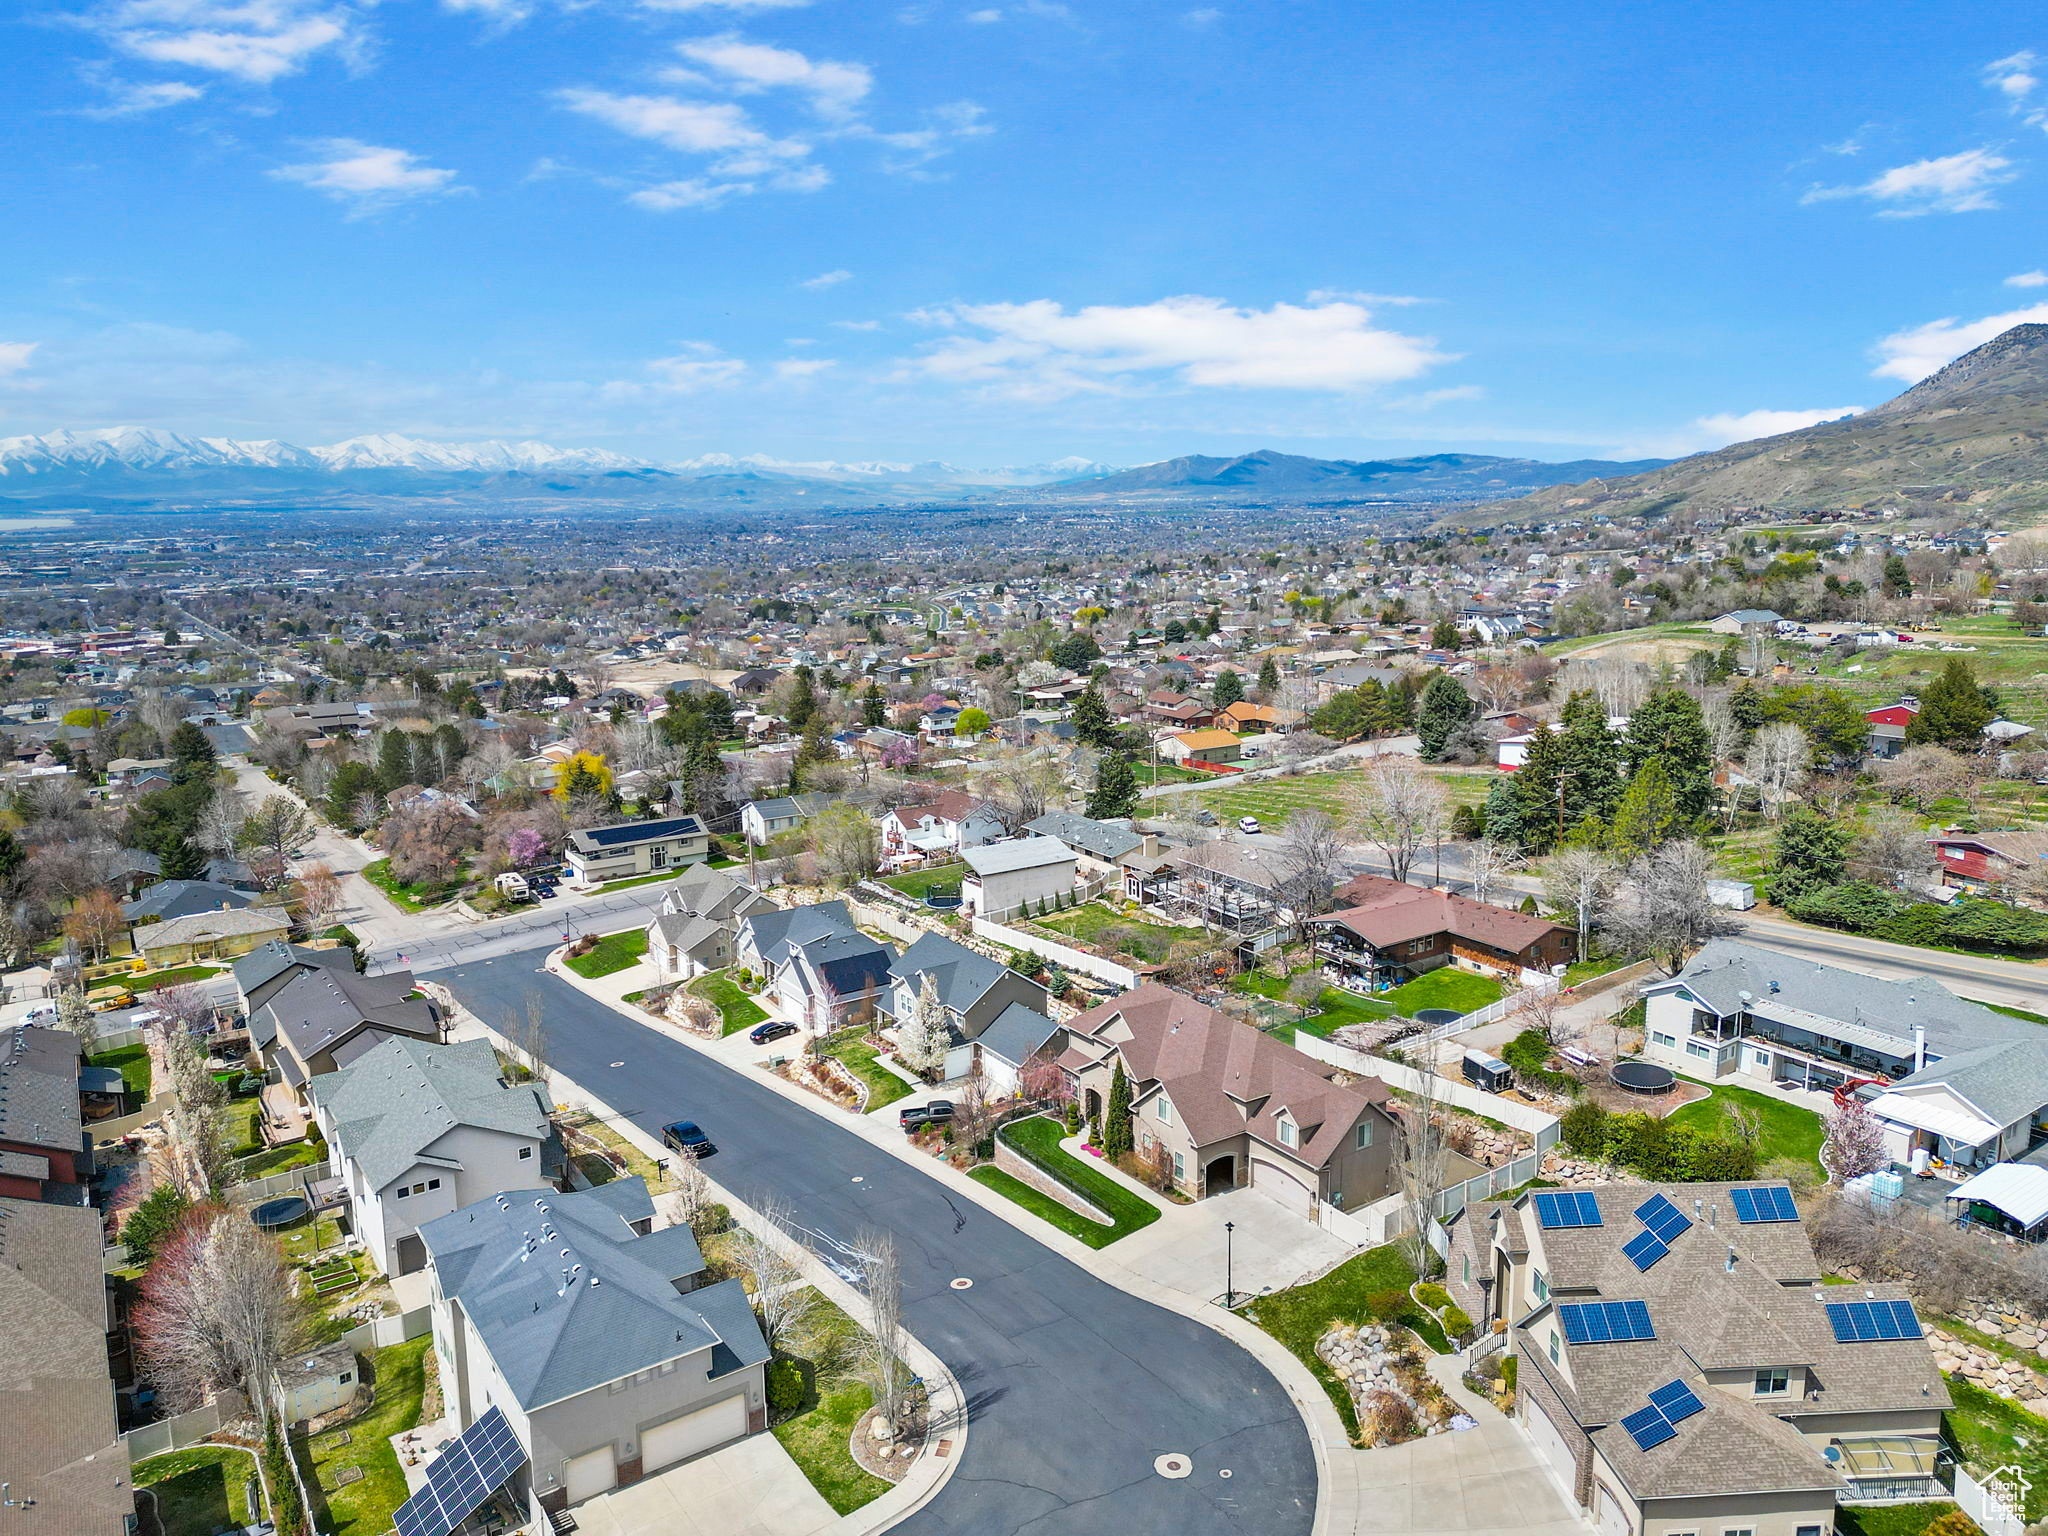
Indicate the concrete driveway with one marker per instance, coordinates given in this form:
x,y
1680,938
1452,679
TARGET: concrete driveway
x,y
751,1488
1270,1248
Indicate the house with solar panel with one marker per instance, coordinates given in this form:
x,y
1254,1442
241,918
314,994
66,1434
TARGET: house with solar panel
x,y
1682,1367
819,970
581,1350
597,854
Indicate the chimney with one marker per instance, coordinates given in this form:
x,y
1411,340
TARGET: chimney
x,y
1919,1044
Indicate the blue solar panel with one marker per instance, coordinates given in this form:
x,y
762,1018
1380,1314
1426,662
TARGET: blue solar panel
x,y
1605,1322
1648,1427
1857,1322
1566,1208
1676,1401
1772,1203
1645,1249
1662,1218
475,1465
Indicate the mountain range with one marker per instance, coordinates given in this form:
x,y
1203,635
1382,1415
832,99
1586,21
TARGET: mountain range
x,y
1286,476
1972,438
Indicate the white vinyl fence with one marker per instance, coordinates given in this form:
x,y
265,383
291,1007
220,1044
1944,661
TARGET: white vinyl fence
x,y
186,1429
1060,954
1991,1502
291,1182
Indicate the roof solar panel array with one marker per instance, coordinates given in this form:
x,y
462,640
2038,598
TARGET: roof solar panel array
x,y
1648,1427
1645,1249
1557,1208
1662,1218
1772,1203
1676,1401
1605,1322
1857,1322
475,1465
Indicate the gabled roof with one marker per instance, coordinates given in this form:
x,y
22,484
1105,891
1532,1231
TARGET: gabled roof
x,y
270,962
181,898
320,1007
1016,1034
963,976
39,1087
775,934
1388,912
566,1297
205,927
1103,839
396,1100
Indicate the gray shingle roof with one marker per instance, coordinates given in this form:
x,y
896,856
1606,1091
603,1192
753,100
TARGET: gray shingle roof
x,y
320,1007
776,933
1024,853
393,1103
181,898
962,975
1104,839
554,1330
2008,1080
1015,1033
206,927
39,1087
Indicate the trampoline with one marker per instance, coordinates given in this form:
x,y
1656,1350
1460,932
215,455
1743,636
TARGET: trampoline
x,y
1437,1015
273,1214
1644,1077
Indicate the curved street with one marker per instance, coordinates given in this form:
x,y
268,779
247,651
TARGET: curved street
x,y
1073,1386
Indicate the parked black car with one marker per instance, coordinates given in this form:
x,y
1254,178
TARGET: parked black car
x,y
774,1029
918,1116
688,1138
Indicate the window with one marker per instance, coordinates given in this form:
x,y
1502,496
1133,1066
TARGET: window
x,y
1541,1285
617,1386
1419,947
1180,1170
1165,1110
433,1183
1290,1134
525,1153
1669,1042
1746,1530
1468,1269
1811,1530
403,1192
1553,1346
1697,1048
346,1377
658,856
1773,1381
1364,1136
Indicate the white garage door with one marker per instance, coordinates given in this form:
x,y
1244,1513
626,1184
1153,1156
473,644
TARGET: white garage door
x,y
1614,1519
590,1474
689,1433
1550,1442
1282,1183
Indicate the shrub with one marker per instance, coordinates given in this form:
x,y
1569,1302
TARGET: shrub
x,y
1456,1322
1387,1305
1529,1055
1583,1128
1073,1117
713,1218
786,1387
1432,1296
1954,1523
1507,1372
1387,1419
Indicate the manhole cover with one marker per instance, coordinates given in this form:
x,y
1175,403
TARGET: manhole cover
x,y
618,1063
1173,1465
860,1178
963,1284
1224,1473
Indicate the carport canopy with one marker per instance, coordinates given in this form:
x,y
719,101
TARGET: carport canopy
x,y
2020,1190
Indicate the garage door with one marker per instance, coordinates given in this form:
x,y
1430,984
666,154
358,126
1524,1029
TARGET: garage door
x,y
1614,1519
591,1474
1279,1182
1550,1442
689,1433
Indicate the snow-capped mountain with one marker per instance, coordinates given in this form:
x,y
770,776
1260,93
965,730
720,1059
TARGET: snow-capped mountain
x,y
131,456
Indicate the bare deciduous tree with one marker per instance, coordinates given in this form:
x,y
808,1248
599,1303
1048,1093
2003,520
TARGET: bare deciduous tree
x,y
219,830
1423,1154
1488,864
846,844
1925,773
887,1375
1313,853
1395,806
1778,761
1661,906
275,828
766,1257
1578,881
95,921
1892,848
217,1311
1022,783
319,894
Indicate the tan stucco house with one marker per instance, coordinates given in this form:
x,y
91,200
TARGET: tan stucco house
x,y
1231,1105
211,935
598,854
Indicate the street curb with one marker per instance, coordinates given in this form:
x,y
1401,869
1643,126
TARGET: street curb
x,y
1339,1499
930,1472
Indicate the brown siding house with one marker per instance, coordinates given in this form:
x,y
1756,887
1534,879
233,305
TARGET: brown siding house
x,y
1387,932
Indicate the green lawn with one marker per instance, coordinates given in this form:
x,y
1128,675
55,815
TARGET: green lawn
x,y
1887,1519
613,952
293,1154
410,898
1371,1287
1274,800
917,883
817,1434
199,1492
2018,1013
850,1047
243,1118
1335,1008
1038,1140
1992,1433
133,1063
365,1507
1582,971
1444,987
175,976
738,1010
1138,938
1785,1130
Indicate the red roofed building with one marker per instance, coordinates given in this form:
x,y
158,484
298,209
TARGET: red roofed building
x,y
1387,932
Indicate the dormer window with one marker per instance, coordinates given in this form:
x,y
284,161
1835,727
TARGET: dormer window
x,y
1290,1133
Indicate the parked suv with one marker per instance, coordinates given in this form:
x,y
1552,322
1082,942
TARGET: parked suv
x,y
688,1138
918,1116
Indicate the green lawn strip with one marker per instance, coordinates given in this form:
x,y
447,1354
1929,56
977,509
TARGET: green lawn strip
x,y
613,952
818,1435
1992,1433
175,976
201,1490
1140,938
1444,987
1302,1315
738,1010
244,1121
132,1061
918,883
1582,971
411,898
1043,1206
660,874
293,1154
1784,1130
850,1047
1887,1519
365,1507
1038,1140
1335,1008
2017,1013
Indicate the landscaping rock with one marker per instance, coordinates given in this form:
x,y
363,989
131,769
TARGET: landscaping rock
x,y
1955,1356
1394,1397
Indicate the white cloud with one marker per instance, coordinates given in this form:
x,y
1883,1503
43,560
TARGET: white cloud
x,y
724,5
803,367
696,127
830,279
858,325
2034,279
2013,76
1041,350
14,357
1429,398
1206,16
1705,433
367,176
835,89
1914,353
253,40
668,196
131,98
1958,183
1353,295
983,18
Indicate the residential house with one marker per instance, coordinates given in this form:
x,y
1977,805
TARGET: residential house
x,y
592,1337
1164,706
1981,861
167,899
45,1150
210,935
761,820
976,994
1742,619
1221,884
820,971
698,921
628,848
1100,847
1685,1367
1386,932
260,973
1245,717
1228,1105
418,1130
324,1017
1006,878
1206,746
938,829
61,1453
304,721
1887,735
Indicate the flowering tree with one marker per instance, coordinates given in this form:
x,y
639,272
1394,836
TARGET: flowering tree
x,y
923,1038
1854,1143
525,847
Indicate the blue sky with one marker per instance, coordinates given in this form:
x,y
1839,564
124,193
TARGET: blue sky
x,y
1002,233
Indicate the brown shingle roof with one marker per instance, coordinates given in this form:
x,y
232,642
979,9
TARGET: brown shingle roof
x,y
1387,912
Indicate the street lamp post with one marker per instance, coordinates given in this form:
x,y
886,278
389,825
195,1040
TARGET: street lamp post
x,y
1229,1270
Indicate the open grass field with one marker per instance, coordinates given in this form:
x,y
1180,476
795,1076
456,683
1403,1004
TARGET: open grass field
x,y
365,1507
1785,1130
198,1492
1274,800
1445,987
918,882
1137,938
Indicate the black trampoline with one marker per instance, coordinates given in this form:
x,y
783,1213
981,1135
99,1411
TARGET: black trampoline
x,y
1644,1077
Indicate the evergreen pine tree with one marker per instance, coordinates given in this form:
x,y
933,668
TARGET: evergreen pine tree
x,y
873,708
1813,853
1269,679
1953,710
1898,582
1504,821
1229,690
1116,1119
1116,788
1445,707
1668,728
1648,812
1091,720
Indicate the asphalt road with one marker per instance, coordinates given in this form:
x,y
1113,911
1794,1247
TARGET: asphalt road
x,y
1073,1386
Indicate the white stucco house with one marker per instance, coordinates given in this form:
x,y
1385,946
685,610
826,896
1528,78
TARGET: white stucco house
x,y
1003,878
